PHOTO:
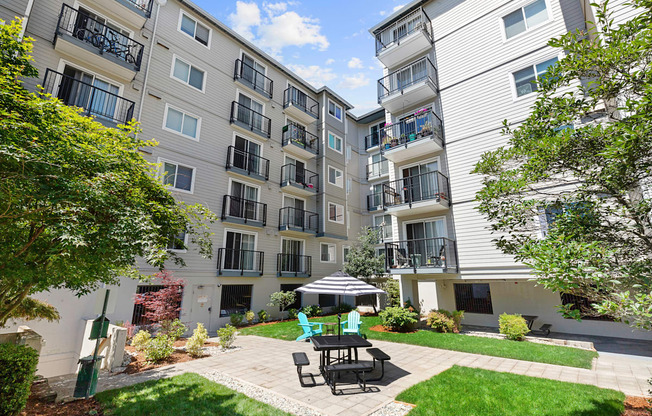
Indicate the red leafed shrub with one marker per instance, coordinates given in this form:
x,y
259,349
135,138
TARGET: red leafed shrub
x,y
163,305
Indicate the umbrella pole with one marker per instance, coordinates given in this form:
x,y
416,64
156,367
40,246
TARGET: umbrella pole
x,y
339,316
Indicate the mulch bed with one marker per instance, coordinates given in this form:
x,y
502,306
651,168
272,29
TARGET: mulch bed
x,y
139,364
380,328
82,407
636,406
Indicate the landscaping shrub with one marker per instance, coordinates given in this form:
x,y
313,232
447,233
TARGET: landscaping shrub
x,y
292,313
393,294
227,336
159,348
442,320
342,308
250,316
140,340
513,327
398,319
263,316
282,300
312,310
236,319
174,329
17,369
196,341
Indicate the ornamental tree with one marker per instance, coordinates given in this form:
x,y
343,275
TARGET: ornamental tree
x,y
362,261
581,166
282,300
79,204
163,305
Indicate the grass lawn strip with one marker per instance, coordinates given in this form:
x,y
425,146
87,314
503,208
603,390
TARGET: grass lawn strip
x,y
463,391
526,351
187,394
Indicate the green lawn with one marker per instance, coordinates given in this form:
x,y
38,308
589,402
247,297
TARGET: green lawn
x,y
462,391
187,394
526,351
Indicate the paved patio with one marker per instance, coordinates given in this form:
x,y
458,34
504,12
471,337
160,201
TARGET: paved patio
x,y
268,363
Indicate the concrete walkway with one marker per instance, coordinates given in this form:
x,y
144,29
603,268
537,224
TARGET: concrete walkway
x,y
268,363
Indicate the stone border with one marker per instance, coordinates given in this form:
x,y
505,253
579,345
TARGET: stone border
x,y
583,345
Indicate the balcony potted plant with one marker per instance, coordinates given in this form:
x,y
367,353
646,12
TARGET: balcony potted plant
x,y
393,142
426,129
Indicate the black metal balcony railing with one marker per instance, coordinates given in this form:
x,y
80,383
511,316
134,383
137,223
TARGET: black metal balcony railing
x,y
374,139
421,70
300,177
244,209
255,79
374,201
298,218
95,101
422,253
144,6
250,119
393,34
294,263
422,125
230,259
105,39
423,187
294,96
248,162
377,169
300,137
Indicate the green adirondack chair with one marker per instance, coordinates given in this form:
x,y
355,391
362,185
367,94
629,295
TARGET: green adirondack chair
x,y
352,324
308,327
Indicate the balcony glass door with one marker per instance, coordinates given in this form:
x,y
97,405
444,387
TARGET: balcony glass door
x,y
299,174
299,98
250,112
424,245
295,217
292,251
246,155
417,184
78,91
239,253
253,72
243,203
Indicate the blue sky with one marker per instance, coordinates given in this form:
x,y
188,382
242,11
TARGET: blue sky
x,y
325,42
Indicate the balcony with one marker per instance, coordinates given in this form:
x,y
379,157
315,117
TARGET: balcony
x,y
293,265
235,262
247,164
299,106
416,136
427,193
255,80
300,142
295,221
406,87
373,140
107,108
250,121
238,210
374,202
421,256
377,170
298,181
133,12
97,45
405,38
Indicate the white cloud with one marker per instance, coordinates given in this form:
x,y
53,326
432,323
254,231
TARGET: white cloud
x,y
355,63
351,82
330,61
290,29
397,8
275,8
245,17
317,75
383,13
363,107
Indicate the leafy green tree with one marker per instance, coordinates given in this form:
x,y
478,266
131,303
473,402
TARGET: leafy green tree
x,y
78,202
362,261
282,300
582,162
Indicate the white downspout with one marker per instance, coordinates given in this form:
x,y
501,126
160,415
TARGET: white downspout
x,y
28,12
159,3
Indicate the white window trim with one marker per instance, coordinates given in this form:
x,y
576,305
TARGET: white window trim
x,y
197,22
230,185
336,106
249,139
334,246
238,93
328,142
76,5
424,220
341,184
437,159
329,212
256,60
161,170
283,195
186,83
166,128
532,64
344,248
234,230
185,243
303,245
522,5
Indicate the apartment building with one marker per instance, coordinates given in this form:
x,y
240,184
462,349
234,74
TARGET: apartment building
x,y
453,71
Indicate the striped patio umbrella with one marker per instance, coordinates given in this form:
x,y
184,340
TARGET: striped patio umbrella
x,y
340,284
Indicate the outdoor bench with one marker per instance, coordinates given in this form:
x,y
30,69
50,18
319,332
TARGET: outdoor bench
x,y
359,368
379,355
300,360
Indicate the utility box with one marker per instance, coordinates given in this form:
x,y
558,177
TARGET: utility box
x,y
100,328
87,376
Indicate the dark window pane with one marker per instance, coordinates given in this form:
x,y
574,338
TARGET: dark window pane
x,y
473,298
235,299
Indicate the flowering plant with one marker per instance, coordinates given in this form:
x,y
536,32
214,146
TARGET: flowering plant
x,y
423,110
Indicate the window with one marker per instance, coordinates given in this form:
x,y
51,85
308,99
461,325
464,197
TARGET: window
x,y
182,123
525,18
188,74
383,223
194,29
177,242
335,142
239,251
334,110
178,176
327,253
345,253
524,80
297,300
335,213
473,298
326,301
335,176
584,306
138,317
235,299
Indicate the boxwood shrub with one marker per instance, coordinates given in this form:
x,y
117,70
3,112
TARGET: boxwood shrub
x,y
17,369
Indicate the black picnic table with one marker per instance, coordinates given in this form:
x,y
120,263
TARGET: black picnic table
x,y
529,319
326,344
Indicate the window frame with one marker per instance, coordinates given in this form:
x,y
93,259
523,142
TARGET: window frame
x,y
162,161
176,57
466,310
341,177
337,106
336,208
197,22
184,113
522,7
344,254
182,250
251,296
334,252
336,138
533,66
